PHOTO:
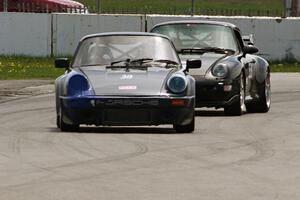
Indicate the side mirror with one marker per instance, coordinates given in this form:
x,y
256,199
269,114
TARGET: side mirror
x,y
62,63
250,49
193,64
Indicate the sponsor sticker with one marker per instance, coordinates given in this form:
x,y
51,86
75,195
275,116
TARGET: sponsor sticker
x,y
127,87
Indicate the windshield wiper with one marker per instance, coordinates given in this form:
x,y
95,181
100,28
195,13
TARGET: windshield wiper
x,y
135,63
141,60
206,49
138,63
129,61
219,50
169,63
119,61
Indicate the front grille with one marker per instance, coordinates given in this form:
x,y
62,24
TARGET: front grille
x,y
127,102
127,115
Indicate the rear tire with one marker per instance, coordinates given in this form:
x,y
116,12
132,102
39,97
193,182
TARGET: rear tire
x,y
263,104
185,128
237,108
66,127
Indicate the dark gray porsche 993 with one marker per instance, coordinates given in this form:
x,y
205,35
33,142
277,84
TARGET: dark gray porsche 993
x,y
123,79
231,76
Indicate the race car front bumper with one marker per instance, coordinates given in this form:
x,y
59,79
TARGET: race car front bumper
x,y
119,111
215,93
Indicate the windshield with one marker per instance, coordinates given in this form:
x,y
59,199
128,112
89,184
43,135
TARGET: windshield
x,y
107,50
195,36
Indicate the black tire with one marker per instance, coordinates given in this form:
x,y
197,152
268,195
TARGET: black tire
x,y
185,128
263,103
66,127
237,108
58,121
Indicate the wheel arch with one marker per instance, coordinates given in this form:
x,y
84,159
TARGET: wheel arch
x,y
191,91
59,90
236,72
262,70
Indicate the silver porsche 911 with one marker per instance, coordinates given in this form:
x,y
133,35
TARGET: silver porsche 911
x,y
125,79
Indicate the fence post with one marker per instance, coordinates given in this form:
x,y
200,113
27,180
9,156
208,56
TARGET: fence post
x,y
289,7
5,5
193,8
297,8
98,7
284,8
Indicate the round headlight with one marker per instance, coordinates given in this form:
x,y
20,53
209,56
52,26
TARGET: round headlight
x,y
77,85
177,83
220,70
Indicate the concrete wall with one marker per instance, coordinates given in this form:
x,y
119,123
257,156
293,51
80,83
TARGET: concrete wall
x,y
277,39
58,34
68,29
25,34
36,34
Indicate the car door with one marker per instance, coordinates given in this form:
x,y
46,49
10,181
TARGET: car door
x,y
248,63
249,66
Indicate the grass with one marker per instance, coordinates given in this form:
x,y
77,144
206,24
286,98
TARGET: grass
x,y
182,6
20,67
285,67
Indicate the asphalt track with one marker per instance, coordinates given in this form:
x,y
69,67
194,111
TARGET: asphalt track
x,y
255,156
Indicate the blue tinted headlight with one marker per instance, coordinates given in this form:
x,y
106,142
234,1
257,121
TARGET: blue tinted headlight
x,y
220,70
177,83
78,85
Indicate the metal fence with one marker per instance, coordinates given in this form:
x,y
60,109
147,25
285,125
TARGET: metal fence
x,y
200,11
24,6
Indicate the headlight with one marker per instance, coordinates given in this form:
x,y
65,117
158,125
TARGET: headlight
x,y
78,85
177,83
220,70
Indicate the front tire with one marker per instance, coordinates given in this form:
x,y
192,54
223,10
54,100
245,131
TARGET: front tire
x,y
237,108
185,128
57,121
66,127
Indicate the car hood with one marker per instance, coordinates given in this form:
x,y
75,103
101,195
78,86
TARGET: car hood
x,y
208,59
118,81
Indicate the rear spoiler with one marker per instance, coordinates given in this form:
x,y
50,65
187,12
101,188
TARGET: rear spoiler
x,y
248,39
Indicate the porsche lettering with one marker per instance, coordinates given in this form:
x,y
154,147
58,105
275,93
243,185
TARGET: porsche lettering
x,y
128,102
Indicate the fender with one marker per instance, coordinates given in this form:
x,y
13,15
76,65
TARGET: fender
x,y
191,91
236,70
59,90
261,69
235,67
